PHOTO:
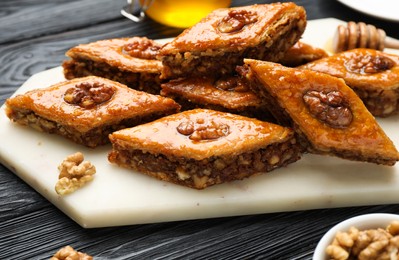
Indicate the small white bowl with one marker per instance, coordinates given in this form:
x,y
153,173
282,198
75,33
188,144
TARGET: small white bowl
x,y
362,222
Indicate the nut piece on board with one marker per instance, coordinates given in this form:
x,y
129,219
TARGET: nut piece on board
x,y
74,173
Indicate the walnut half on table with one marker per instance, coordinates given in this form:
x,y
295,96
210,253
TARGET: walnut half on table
x,y
74,173
68,253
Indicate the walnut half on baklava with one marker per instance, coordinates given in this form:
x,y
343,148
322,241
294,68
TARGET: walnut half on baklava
x,y
219,42
130,61
199,148
86,110
327,115
372,74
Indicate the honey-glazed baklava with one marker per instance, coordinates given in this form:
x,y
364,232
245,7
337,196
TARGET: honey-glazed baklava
x,y
86,110
199,148
229,94
327,115
130,61
302,53
220,41
372,74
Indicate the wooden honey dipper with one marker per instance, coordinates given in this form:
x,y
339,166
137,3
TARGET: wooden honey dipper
x,y
361,35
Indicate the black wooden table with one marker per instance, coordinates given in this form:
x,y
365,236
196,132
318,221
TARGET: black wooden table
x,y
34,35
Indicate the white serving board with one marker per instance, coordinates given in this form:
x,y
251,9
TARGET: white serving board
x,y
118,196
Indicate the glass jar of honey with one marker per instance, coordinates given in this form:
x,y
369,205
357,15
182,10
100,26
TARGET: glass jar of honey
x,y
178,13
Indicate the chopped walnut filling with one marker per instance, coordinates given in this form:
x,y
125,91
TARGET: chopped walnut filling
x,y
366,244
200,174
74,173
329,107
88,95
202,130
369,64
235,20
68,253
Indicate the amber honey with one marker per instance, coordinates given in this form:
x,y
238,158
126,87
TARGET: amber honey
x,y
182,13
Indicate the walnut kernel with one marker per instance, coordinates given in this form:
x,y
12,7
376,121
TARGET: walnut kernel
x,y
88,95
68,253
331,107
393,228
235,20
369,64
142,48
365,244
203,130
74,173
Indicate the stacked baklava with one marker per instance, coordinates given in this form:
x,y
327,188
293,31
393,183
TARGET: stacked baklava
x,y
235,95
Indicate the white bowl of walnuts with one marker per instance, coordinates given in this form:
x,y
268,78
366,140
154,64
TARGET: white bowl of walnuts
x,y
368,236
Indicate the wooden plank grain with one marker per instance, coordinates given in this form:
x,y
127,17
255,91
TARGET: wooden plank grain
x,y
38,235
16,197
20,21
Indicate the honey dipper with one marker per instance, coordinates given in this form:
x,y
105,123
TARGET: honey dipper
x,y
361,35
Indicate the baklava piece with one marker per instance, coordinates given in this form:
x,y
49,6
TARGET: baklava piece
x,y
86,110
327,115
227,94
130,61
302,53
220,41
199,148
372,74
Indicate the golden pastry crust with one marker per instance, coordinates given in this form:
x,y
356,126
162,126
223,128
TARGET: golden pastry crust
x,y
302,53
325,112
202,147
374,75
228,94
221,40
131,61
244,134
87,109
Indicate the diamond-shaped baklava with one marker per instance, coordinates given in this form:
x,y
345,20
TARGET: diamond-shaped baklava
x,y
228,94
302,53
199,148
130,61
327,115
372,74
220,41
86,110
